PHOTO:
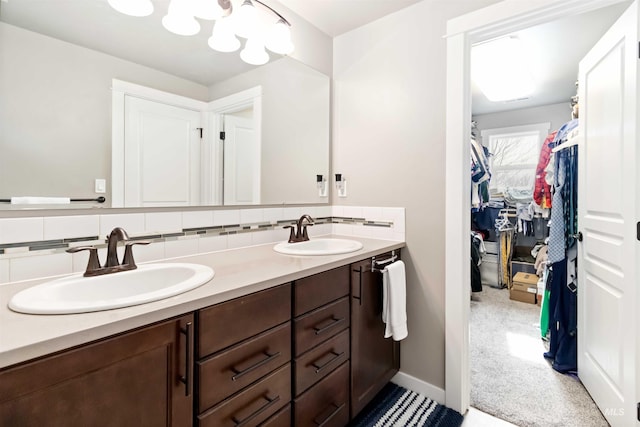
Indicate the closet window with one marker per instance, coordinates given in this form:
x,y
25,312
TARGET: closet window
x,y
514,155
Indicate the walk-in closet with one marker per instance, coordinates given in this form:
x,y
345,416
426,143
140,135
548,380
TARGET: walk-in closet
x,y
525,233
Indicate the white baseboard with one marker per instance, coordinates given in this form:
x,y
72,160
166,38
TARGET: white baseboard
x,y
414,384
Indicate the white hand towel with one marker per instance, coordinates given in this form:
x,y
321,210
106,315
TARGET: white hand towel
x,y
394,301
30,200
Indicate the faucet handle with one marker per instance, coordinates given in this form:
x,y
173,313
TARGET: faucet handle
x,y
94,262
305,236
128,261
292,233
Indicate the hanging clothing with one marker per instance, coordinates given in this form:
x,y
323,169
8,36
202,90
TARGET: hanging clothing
x,y
557,248
476,256
561,256
542,190
480,175
563,339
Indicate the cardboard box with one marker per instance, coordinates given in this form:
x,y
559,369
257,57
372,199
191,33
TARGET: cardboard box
x,y
522,296
524,288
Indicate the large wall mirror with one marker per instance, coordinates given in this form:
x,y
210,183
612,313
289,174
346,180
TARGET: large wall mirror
x,y
62,64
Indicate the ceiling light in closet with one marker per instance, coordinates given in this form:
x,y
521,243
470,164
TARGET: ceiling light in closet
x,y
499,67
261,27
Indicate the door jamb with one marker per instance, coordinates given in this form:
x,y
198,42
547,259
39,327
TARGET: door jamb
x,y
213,159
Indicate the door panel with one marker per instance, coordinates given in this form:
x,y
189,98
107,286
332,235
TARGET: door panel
x,y
241,162
162,154
607,215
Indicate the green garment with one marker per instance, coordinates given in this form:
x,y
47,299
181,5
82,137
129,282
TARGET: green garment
x,y
544,314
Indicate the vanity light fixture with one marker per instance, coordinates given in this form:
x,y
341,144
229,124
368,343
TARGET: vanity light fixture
x,y
500,69
234,18
133,7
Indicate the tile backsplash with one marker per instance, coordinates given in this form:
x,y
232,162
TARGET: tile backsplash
x,y
35,247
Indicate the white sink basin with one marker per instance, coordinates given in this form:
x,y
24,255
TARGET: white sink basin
x,y
319,247
78,294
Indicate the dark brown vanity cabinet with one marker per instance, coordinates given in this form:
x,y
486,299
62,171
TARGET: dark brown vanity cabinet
x,y
243,369
139,378
322,349
307,353
374,359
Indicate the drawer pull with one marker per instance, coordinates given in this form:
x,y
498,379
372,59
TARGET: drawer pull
x,y
333,359
335,321
330,416
269,358
270,402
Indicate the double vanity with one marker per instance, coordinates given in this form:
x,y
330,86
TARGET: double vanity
x,y
274,339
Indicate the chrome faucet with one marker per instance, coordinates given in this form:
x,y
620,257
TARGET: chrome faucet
x,y
299,234
112,265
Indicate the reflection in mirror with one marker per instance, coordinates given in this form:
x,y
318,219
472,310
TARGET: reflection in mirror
x,y
56,124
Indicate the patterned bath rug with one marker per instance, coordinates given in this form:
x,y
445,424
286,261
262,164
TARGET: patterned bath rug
x,y
396,406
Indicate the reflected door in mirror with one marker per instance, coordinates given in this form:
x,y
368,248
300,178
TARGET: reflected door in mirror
x,y
162,155
241,161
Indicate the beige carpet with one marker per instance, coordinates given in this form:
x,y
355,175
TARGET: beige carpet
x,y
510,378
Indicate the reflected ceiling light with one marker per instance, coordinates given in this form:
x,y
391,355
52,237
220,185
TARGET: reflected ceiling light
x,y
207,9
246,21
499,68
133,7
223,39
254,53
180,18
279,38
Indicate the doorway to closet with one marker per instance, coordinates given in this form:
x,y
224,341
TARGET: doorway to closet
x,y
510,330
456,384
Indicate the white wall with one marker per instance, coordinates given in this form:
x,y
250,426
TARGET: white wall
x,y
312,46
389,142
556,114
56,102
295,128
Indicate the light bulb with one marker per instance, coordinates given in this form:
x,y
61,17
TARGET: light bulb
x,y
254,53
279,38
133,7
179,19
222,38
207,9
245,19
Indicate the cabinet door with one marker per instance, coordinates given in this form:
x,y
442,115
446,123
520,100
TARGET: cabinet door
x,y
374,359
134,379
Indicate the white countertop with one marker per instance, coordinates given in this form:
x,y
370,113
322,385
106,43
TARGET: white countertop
x,y
238,272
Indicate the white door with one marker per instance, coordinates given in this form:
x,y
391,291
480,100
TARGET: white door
x,y
241,162
162,154
607,183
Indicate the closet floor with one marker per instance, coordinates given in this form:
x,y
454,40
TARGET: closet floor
x,y
510,379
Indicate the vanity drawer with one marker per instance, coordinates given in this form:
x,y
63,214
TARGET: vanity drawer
x,y
254,405
281,419
321,324
326,404
227,372
317,290
230,322
320,361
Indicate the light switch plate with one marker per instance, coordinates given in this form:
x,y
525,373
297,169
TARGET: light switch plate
x,y
342,190
101,185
